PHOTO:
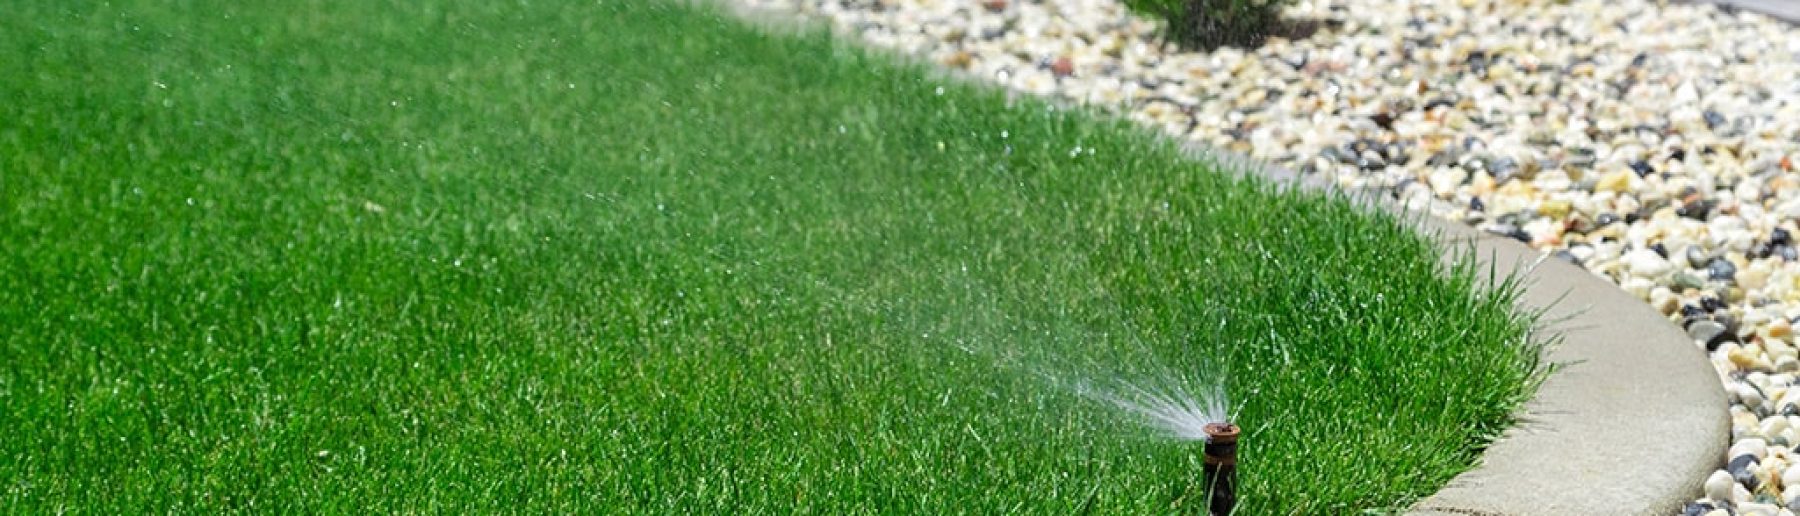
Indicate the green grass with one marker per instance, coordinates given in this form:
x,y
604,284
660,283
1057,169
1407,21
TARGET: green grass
x,y
613,256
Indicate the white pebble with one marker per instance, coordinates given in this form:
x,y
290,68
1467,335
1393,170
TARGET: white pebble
x,y
1718,486
1753,447
1645,263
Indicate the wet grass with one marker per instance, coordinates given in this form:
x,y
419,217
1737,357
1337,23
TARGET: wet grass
x,y
626,257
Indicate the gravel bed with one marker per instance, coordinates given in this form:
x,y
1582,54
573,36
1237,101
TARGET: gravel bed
x,y
1654,144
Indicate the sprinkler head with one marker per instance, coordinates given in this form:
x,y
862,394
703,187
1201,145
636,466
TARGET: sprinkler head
x,y
1221,467
1222,433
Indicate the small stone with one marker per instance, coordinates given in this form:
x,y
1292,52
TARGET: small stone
x,y
1746,393
1752,447
1555,209
1791,479
1708,332
1718,486
1696,257
1646,263
1741,462
1614,182
1743,471
1686,281
960,60
1774,425
1697,210
1661,298
1749,362
1713,119
1721,269
1371,161
1757,509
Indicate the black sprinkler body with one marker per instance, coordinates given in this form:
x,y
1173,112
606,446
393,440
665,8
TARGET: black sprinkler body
x,y
1221,468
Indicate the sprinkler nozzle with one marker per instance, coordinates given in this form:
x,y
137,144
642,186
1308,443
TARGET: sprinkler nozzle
x,y
1221,467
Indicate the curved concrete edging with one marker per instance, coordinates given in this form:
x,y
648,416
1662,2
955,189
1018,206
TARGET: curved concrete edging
x,y
1787,10
1632,420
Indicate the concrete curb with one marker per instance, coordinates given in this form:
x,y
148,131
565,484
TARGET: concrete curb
x,y
1631,422
1788,10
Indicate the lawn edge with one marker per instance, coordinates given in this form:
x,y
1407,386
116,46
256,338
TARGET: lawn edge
x,y
1631,420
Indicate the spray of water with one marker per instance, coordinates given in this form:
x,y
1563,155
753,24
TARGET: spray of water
x,y
1163,403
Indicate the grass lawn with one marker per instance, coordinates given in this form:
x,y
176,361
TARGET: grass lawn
x,y
622,256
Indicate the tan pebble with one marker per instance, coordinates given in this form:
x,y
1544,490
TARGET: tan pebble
x,y
1664,300
1753,277
1614,182
1745,421
1555,209
960,60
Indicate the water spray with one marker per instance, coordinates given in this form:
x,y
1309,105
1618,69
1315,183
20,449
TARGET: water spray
x,y
1221,467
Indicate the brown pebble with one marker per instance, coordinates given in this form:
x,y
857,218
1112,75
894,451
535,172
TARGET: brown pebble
x,y
1062,67
960,59
994,5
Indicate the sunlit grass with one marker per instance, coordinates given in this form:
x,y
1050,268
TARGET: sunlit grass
x,y
621,256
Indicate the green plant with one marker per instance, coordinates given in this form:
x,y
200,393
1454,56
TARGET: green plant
x,y
1209,24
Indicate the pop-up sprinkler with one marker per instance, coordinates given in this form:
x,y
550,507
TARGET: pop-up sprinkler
x,y
1221,467
1187,415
